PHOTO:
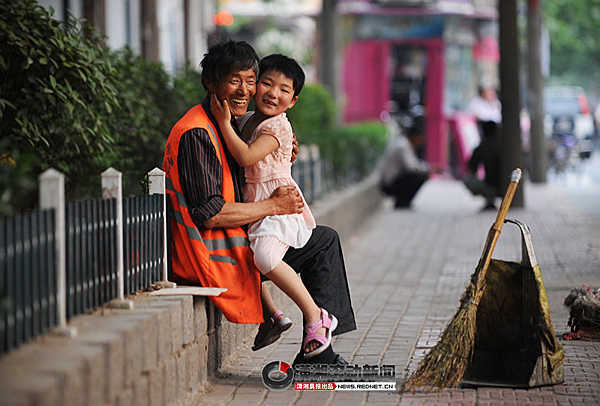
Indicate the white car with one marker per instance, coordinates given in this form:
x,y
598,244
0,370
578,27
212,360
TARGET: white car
x,y
569,102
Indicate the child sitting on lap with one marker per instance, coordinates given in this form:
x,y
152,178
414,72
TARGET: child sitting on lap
x,y
266,158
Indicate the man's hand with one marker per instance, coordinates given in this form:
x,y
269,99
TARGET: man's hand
x,y
287,200
295,149
284,200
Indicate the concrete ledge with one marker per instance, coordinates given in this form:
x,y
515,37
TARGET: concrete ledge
x,y
160,353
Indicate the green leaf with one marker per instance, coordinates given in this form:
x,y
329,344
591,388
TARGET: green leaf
x,y
27,63
5,103
82,75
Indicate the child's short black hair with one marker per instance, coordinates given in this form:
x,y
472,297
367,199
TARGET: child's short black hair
x,y
226,57
286,65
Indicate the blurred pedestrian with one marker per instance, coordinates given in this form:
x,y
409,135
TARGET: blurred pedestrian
x,y
486,106
403,173
486,155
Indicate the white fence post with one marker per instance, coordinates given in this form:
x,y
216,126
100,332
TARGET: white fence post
x,y
112,188
305,172
157,180
52,196
317,173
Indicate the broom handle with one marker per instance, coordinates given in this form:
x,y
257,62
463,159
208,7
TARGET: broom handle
x,y
496,228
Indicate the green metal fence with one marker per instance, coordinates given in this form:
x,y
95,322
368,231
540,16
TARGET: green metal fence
x,y
28,292
48,275
91,254
32,299
143,242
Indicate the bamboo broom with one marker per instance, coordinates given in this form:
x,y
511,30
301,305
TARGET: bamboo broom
x,y
446,363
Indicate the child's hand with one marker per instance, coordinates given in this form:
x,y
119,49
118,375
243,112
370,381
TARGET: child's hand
x,y
220,110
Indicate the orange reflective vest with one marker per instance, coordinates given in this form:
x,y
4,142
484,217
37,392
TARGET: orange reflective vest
x,y
211,257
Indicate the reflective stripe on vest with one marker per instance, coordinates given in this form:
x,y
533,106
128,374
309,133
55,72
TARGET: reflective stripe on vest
x,y
194,234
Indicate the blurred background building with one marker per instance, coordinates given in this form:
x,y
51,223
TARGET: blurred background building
x,y
171,31
417,60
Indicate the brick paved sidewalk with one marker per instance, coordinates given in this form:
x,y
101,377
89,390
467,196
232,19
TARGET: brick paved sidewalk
x,y
407,270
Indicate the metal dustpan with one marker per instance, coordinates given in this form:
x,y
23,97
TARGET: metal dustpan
x,y
515,345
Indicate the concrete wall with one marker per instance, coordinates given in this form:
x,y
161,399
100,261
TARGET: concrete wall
x,y
162,352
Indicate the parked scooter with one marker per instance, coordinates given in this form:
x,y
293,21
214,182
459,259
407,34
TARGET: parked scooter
x,y
563,154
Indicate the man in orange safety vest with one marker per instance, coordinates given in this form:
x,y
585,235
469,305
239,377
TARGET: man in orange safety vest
x,y
209,244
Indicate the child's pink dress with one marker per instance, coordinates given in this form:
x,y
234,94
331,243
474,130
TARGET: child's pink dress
x,y
272,236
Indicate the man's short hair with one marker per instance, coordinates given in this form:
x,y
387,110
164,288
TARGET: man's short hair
x,y
225,57
286,65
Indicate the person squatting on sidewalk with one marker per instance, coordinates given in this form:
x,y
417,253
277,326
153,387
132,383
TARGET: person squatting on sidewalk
x,y
403,173
210,244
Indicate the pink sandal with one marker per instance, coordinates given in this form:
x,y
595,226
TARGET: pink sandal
x,y
327,321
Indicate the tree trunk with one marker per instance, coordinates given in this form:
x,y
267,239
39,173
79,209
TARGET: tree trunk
x,y
512,151
535,92
330,45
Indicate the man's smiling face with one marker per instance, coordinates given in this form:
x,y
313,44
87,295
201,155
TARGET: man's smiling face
x,y
238,89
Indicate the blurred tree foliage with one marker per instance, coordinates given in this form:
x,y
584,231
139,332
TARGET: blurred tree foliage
x,y
352,150
365,143
57,94
313,115
575,44
68,102
150,101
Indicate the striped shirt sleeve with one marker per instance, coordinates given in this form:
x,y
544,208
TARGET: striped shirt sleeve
x,y
200,175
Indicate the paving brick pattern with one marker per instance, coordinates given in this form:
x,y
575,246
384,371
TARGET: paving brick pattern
x,y
407,270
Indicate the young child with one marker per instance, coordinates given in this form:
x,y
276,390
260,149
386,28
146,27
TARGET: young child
x,y
266,158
